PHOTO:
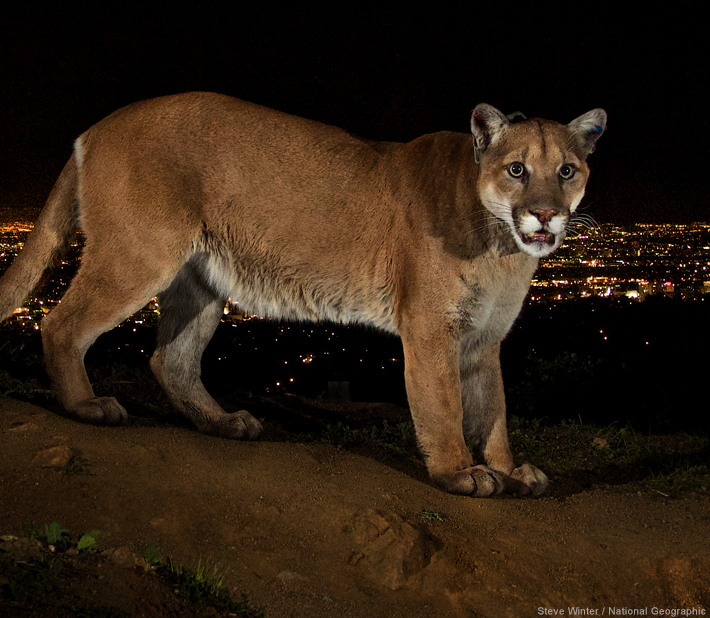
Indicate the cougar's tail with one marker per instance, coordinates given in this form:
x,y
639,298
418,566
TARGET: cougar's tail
x,y
50,238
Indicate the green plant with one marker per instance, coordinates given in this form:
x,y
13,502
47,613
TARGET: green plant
x,y
152,555
52,535
88,540
57,536
431,516
33,531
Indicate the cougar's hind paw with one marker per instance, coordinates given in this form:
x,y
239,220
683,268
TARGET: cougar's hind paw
x,y
99,411
527,480
238,426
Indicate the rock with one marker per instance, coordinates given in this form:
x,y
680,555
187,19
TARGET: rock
x,y
55,457
24,427
22,549
289,576
392,550
122,556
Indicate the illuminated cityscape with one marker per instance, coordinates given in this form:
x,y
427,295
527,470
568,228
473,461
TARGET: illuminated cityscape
x,y
609,261
628,261
602,294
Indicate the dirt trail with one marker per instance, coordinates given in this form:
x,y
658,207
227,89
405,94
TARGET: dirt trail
x,y
310,530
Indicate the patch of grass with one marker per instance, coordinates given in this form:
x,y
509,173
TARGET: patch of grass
x,y
134,386
200,585
398,438
42,581
681,479
196,584
30,388
22,372
432,516
576,456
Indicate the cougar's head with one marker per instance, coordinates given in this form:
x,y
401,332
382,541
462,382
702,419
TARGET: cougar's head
x,y
532,174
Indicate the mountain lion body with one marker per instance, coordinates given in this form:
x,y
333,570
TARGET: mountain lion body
x,y
199,197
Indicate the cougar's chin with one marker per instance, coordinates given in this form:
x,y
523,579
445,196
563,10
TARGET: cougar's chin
x,y
540,233
538,243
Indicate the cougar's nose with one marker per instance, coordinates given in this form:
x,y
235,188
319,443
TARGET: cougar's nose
x,y
544,215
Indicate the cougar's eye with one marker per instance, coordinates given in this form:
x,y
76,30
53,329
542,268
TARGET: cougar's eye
x,y
516,170
567,172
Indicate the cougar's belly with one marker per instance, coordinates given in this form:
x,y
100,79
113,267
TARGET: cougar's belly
x,y
274,289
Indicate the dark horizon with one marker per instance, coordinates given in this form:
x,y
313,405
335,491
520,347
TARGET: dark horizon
x,y
383,75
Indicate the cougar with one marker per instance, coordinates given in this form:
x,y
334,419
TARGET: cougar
x,y
199,197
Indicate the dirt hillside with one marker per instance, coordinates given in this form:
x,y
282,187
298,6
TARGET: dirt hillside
x,y
311,530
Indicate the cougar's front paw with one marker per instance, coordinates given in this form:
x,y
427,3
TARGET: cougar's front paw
x,y
238,426
488,481
477,481
527,480
99,411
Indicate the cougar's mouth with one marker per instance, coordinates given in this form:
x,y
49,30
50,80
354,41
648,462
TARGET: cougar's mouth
x,y
541,236
536,237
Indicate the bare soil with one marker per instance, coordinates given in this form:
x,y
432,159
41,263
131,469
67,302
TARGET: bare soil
x,y
292,526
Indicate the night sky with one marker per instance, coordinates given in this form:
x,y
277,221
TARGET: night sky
x,y
390,74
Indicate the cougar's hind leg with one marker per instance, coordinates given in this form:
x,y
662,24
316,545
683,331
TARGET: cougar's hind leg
x,y
99,298
190,312
485,427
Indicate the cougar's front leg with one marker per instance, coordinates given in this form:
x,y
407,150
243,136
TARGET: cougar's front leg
x,y
431,373
484,421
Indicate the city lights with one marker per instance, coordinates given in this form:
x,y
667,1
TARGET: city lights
x,y
631,262
610,261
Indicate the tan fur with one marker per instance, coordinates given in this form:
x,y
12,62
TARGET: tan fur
x,y
198,197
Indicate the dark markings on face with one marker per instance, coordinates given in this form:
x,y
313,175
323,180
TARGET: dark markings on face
x,y
543,143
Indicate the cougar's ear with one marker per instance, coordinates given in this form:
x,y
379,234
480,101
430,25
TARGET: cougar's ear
x,y
588,128
486,125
